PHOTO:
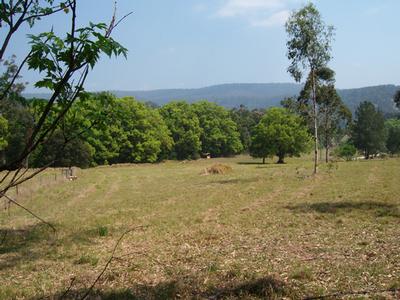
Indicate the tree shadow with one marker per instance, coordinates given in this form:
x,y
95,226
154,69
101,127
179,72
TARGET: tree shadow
x,y
21,243
252,163
15,240
378,208
189,288
264,288
32,242
236,180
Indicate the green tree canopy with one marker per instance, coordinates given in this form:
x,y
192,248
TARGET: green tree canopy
x,y
393,140
185,129
219,134
3,133
58,153
146,137
333,116
369,133
246,120
280,133
95,118
20,124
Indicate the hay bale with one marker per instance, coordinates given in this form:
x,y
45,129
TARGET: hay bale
x,y
217,169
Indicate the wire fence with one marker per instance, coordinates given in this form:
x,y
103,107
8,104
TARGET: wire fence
x,y
49,178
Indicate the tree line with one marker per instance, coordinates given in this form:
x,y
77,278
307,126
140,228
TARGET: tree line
x,y
100,129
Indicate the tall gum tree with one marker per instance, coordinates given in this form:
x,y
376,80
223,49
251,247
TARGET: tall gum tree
x,y
309,46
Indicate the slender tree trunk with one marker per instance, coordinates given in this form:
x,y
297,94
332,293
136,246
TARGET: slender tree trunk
x,y
327,154
315,116
281,158
327,137
263,160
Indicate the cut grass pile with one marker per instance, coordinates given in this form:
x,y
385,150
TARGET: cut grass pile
x,y
217,169
259,231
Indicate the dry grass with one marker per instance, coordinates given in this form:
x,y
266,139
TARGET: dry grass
x,y
217,169
259,231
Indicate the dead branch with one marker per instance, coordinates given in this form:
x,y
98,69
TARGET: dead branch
x,y
69,288
30,212
110,259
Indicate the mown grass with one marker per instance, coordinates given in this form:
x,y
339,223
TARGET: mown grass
x,y
259,231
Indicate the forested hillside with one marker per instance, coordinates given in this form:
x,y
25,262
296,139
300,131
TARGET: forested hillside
x,y
381,96
258,95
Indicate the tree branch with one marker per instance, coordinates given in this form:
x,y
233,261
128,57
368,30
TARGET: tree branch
x,y
110,260
30,212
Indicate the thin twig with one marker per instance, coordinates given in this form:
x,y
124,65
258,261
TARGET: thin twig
x,y
69,288
30,212
114,23
120,20
110,260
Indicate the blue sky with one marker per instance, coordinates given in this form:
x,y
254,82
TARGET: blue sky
x,y
195,43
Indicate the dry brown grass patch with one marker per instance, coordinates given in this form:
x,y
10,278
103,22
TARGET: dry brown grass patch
x,y
217,169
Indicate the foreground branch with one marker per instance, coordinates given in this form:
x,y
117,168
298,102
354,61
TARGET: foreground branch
x,y
30,212
110,260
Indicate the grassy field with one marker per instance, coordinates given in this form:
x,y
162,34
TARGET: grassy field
x,y
259,231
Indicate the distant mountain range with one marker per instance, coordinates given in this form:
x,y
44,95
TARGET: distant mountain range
x,y
258,95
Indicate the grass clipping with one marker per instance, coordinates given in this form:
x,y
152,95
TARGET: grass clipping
x,y
217,169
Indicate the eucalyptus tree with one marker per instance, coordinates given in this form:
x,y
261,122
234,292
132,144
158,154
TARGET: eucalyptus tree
x,y
309,46
334,116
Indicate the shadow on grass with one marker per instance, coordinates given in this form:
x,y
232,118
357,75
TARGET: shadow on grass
x,y
252,163
22,242
378,208
32,242
236,180
15,240
262,288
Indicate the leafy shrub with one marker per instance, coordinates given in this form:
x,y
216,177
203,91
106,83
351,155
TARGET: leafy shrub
x,y
346,151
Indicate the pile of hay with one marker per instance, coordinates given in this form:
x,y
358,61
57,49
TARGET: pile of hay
x,y
217,169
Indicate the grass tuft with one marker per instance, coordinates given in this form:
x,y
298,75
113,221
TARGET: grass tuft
x,y
87,259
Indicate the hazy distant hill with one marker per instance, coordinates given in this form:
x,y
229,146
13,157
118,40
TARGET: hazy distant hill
x,y
259,95
228,95
381,96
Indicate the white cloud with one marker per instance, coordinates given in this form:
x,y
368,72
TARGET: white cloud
x,y
277,19
260,13
234,8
